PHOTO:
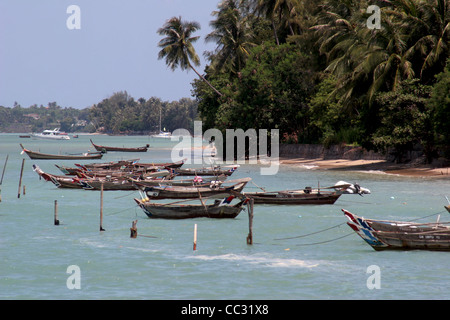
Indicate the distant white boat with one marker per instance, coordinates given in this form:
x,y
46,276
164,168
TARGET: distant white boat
x,y
162,134
54,134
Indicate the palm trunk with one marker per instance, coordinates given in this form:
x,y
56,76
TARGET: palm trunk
x,y
275,32
203,78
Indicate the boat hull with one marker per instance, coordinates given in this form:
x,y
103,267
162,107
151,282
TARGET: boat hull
x,y
192,192
44,156
282,198
87,184
398,235
204,172
181,182
119,149
164,211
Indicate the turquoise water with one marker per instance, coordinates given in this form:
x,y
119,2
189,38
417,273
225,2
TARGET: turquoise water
x,y
160,263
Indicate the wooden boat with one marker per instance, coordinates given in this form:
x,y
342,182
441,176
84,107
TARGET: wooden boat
x,y
220,209
130,164
109,184
59,181
197,181
136,175
307,195
145,173
45,156
193,192
294,197
86,183
400,235
120,149
123,165
216,171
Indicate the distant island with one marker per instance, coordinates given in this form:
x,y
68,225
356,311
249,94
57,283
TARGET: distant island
x,y
118,114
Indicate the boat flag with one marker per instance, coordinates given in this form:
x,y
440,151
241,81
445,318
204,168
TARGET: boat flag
x,y
226,200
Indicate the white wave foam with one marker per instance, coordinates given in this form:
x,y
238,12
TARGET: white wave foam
x,y
309,167
266,261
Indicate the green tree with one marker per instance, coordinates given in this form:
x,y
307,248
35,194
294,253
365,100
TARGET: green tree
x,y
405,121
271,92
440,108
329,123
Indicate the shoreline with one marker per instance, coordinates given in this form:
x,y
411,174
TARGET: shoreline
x,y
419,171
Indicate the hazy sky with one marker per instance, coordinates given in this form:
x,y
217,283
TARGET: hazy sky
x,y
115,49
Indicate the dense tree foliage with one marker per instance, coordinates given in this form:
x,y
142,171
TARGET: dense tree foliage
x,y
320,72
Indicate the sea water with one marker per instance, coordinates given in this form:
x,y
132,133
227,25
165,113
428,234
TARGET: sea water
x,y
298,252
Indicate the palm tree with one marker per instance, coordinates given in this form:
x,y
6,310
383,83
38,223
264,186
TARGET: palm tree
x,y
233,35
267,8
177,46
284,10
430,36
412,43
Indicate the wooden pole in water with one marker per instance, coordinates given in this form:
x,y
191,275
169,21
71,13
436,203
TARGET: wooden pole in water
x,y
195,237
20,179
4,167
101,208
133,229
250,222
56,213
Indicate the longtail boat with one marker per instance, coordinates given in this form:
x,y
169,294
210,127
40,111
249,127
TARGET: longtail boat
x,y
45,156
294,197
120,149
59,181
220,209
400,235
197,181
87,183
193,192
308,195
216,171
123,165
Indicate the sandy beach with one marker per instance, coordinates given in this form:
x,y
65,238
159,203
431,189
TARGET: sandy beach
x,y
369,165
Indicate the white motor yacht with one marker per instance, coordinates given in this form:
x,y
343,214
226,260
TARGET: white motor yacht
x,y
54,134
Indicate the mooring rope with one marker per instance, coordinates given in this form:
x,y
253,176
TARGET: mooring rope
x,y
117,212
126,195
305,235
433,214
322,242
141,235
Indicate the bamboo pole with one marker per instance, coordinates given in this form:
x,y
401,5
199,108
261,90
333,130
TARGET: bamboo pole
x,y
195,237
101,208
56,221
20,179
